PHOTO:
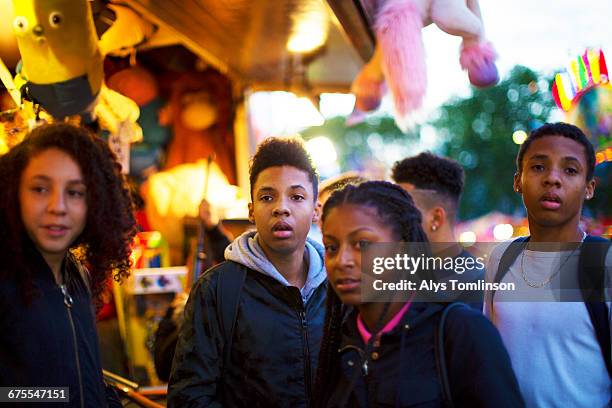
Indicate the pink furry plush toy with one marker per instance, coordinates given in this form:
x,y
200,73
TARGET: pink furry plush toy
x,y
399,57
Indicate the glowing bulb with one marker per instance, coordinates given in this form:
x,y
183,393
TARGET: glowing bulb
x,y
519,137
503,231
155,239
336,104
310,28
322,151
3,147
467,238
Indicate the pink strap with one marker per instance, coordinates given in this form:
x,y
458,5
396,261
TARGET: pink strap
x,y
366,335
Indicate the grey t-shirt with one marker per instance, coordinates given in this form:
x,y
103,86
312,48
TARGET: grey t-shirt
x,y
554,351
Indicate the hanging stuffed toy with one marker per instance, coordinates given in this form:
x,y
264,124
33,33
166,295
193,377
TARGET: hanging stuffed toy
x,y
200,111
127,32
9,52
61,69
61,65
399,58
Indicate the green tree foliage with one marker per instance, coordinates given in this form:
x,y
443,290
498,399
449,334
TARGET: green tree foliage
x,y
357,144
478,133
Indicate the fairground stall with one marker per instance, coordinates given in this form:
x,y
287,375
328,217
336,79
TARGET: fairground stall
x,y
180,88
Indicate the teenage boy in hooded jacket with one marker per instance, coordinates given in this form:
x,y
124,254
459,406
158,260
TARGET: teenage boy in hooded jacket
x,y
278,325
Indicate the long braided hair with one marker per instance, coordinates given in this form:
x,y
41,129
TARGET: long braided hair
x,y
395,208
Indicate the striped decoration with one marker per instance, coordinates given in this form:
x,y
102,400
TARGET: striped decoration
x,y
583,73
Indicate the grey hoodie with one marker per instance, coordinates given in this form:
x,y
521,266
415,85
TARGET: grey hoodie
x,y
246,251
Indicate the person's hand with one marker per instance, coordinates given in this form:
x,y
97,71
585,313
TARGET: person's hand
x,y
207,215
178,304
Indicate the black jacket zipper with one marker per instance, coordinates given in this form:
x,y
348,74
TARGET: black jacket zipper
x,y
68,302
306,349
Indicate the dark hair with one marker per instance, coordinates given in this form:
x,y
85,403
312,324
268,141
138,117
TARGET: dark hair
x,y
104,244
276,152
559,129
395,208
428,171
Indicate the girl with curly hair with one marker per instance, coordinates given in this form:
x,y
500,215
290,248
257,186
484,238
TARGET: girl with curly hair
x,y
67,224
381,354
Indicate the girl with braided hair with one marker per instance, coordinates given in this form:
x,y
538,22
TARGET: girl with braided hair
x,y
382,354
67,225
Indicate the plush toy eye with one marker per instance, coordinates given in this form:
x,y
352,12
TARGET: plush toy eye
x,y
20,24
55,19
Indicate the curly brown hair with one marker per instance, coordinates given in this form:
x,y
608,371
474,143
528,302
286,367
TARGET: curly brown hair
x,y
104,244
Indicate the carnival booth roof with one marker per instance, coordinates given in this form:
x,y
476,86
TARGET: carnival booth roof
x,y
265,44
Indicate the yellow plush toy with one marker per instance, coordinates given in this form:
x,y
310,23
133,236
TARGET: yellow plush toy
x,y
61,62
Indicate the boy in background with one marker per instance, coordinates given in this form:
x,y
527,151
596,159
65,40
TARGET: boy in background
x,y
435,184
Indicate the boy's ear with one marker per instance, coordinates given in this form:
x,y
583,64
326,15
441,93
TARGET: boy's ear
x,y
251,217
517,183
437,218
590,189
429,219
317,212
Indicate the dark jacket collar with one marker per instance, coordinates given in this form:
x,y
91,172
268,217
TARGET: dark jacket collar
x,y
417,314
71,269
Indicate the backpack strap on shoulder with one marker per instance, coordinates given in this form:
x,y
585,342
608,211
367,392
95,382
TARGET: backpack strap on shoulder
x,y
507,259
592,275
447,399
592,267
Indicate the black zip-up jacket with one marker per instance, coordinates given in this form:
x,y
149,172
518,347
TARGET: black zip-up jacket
x,y
274,349
402,369
52,342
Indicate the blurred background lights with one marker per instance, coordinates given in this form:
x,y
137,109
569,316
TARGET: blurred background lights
x,y
503,231
324,155
306,114
282,113
429,138
467,238
519,137
310,28
322,150
336,104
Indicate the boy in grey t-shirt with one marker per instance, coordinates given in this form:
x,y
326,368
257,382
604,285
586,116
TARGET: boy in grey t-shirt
x,y
554,351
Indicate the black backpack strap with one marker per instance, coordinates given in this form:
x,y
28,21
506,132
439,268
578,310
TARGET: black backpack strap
x,y
229,288
598,312
507,259
591,275
592,267
447,399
